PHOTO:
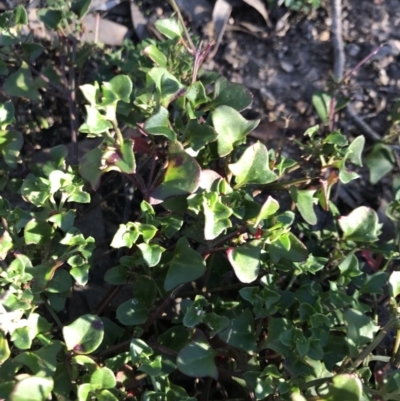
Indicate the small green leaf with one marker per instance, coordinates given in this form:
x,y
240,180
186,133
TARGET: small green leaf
x,y
186,265
216,323
394,284
95,122
245,260
360,225
127,164
380,161
84,335
217,215
194,313
360,330
38,232
151,253
354,151
156,55
4,348
139,350
169,27
269,208
102,378
304,200
51,18
289,247
132,312
119,88
89,167
345,387
10,144
240,332
200,135
321,101
158,124
21,84
230,94
231,128
374,283
197,358
32,389
80,7
253,166
6,114
181,178
32,50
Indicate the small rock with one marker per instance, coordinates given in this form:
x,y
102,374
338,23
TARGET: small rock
x,y
394,46
383,77
352,49
287,67
324,36
301,107
268,98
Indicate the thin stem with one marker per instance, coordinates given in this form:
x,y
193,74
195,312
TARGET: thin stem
x,y
180,18
52,312
228,237
107,299
120,138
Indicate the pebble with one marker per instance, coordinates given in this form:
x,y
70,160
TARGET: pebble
x,y
353,50
383,77
324,36
301,107
287,67
394,46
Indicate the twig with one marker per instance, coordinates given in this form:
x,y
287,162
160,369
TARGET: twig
x,y
73,116
180,18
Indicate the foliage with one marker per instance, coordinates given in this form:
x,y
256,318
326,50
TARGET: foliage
x,y
296,5
274,303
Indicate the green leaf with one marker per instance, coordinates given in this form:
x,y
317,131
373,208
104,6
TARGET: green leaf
x,y
139,350
216,214
186,265
360,330
89,167
197,358
95,122
253,166
230,94
231,128
156,55
145,290
194,313
354,151
10,144
288,247
269,208
181,178
240,332
51,18
6,244
360,225
167,85
321,101
200,135
380,161
102,378
32,389
169,27
4,348
345,387
119,88
106,395
38,232
42,362
132,312
158,124
32,50
349,267
216,323
151,253
245,260
84,335
394,284
374,283
80,7
126,164
6,114
304,200
21,84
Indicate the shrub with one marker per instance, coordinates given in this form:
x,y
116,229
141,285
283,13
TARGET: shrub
x,y
274,303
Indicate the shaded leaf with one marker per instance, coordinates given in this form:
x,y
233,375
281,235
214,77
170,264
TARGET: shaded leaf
x,y
21,84
304,200
186,265
197,358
